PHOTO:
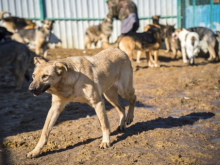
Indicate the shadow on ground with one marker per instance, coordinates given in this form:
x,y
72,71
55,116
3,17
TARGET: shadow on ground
x,y
139,127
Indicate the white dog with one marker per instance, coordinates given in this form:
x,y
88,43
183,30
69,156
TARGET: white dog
x,y
189,44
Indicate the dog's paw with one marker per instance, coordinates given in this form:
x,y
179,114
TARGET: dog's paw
x,y
120,128
104,145
32,154
185,61
129,119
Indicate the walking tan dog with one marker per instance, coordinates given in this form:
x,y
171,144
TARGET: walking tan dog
x,y
13,23
85,79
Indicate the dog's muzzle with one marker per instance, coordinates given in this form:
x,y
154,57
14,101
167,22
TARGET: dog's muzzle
x,y
36,91
174,36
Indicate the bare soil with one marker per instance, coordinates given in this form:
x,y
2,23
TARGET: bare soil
x,y
177,119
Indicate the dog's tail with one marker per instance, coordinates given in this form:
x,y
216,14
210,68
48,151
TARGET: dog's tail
x,y
3,13
106,44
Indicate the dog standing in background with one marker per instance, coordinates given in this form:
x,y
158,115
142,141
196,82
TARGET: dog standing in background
x,y
99,32
12,23
170,42
18,57
166,32
147,42
208,41
38,37
189,44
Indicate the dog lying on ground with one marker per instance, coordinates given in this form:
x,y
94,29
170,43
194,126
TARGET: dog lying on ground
x,y
99,32
189,44
38,37
5,35
18,57
209,37
146,42
85,79
12,23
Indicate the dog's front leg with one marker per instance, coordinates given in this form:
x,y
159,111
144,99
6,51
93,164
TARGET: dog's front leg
x,y
167,45
54,112
45,51
184,54
138,56
101,113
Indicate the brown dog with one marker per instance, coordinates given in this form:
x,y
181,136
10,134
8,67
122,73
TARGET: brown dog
x,y
148,41
99,32
166,33
13,23
38,37
85,79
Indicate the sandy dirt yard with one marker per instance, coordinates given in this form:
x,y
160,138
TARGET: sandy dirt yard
x,y
177,119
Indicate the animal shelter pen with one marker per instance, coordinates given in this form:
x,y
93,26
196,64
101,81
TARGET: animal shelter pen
x,y
72,17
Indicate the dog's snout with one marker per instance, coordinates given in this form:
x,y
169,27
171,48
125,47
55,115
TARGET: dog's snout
x,y
31,89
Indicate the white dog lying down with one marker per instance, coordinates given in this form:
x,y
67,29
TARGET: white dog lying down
x,y
189,44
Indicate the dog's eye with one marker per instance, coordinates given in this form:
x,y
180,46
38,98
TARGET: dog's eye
x,y
44,76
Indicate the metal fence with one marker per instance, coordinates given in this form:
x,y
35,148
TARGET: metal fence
x,y
201,13
72,17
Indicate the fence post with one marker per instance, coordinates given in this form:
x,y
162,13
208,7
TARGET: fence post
x,y
211,14
194,12
178,13
42,14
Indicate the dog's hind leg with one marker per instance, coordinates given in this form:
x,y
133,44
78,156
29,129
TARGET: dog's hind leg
x,y
167,45
212,54
126,91
54,112
138,56
156,58
99,107
112,96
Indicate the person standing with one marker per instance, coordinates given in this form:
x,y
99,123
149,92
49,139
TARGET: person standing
x,y
126,12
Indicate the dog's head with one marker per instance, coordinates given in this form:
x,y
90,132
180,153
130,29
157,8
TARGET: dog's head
x,y
156,19
107,20
48,24
46,75
175,34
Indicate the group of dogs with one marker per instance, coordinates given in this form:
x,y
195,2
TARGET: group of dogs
x,y
87,79
18,33
188,41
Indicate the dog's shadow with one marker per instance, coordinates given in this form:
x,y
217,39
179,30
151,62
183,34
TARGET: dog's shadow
x,y
140,127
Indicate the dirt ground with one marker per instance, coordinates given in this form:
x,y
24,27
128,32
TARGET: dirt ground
x,y
177,119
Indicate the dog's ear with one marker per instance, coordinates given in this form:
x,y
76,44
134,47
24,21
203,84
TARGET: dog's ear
x,y
38,60
60,66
